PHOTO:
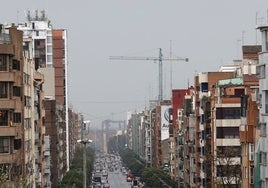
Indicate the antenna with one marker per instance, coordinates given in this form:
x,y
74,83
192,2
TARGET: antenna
x,y
171,72
18,17
256,23
243,37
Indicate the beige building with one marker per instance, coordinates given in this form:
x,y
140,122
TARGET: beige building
x,y
21,115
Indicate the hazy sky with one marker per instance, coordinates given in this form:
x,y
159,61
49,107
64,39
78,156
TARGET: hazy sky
x,y
208,32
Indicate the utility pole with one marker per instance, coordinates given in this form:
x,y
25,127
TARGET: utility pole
x,y
160,60
84,141
84,164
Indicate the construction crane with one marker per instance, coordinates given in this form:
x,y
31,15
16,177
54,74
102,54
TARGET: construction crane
x,y
160,59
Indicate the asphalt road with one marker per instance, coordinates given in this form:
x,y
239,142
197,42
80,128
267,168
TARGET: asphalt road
x,y
118,180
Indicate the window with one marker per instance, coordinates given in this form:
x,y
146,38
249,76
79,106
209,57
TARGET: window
x,y
266,101
27,123
3,63
204,87
15,64
27,145
17,117
266,40
239,92
260,71
16,91
263,158
227,170
244,104
26,78
251,174
202,118
229,151
27,101
3,118
4,144
228,113
259,99
17,144
227,132
263,129
3,89
251,152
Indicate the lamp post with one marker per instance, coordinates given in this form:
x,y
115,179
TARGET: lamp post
x,y
84,142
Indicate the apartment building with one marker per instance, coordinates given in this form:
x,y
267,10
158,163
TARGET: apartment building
x,y
75,132
54,128
204,82
12,154
186,140
249,113
147,135
177,103
261,144
22,130
50,58
225,145
134,130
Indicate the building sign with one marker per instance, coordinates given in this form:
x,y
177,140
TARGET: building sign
x,y
165,121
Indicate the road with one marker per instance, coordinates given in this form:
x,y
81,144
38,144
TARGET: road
x,y
118,180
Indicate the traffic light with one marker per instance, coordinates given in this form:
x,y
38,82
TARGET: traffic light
x,y
1,114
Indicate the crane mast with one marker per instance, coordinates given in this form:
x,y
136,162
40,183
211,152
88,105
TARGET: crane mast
x,y
160,60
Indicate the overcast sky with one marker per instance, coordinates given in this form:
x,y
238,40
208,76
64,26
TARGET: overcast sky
x,y
209,32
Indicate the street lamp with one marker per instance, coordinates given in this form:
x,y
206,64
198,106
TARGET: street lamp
x,y
84,142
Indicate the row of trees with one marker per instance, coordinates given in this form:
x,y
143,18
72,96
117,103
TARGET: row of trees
x,y
74,177
152,177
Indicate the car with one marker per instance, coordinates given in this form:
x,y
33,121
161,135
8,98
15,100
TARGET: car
x,y
134,183
129,179
103,181
106,185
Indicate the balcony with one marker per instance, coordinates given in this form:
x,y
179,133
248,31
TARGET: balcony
x,y
8,131
10,76
10,103
246,133
6,48
8,158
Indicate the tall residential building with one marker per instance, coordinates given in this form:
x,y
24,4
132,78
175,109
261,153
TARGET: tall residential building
x,y
21,114
54,128
12,134
147,138
186,141
225,126
50,57
261,145
59,37
203,145
177,103
249,113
